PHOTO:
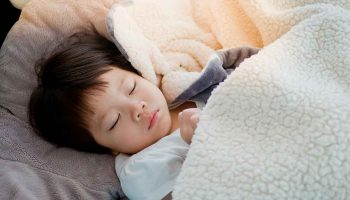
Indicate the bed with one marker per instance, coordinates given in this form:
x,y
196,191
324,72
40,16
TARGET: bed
x,y
276,128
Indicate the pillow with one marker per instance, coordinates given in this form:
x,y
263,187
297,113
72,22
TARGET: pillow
x,y
32,167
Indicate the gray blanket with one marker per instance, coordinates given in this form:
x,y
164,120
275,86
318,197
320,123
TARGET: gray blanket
x,y
219,66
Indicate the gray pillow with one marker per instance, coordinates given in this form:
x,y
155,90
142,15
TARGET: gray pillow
x,y
32,168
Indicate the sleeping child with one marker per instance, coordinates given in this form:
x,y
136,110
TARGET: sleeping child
x,y
91,99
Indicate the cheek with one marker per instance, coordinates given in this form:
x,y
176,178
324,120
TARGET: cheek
x,y
164,124
103,142
129,141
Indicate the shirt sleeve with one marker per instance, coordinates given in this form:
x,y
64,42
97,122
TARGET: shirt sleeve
x,y
151,173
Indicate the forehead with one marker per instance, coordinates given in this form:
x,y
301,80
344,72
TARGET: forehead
x,y
113,73
98,96
95,101
93,97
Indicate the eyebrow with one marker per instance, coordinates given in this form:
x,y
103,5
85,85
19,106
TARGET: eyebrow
x,y
101,118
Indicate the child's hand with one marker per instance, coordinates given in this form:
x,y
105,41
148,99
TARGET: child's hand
x,y
188,120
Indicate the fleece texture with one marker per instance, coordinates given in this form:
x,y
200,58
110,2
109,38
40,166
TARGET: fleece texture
x,y
278,126
174,39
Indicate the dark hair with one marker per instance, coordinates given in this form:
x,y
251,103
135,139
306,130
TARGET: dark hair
x,y
57,107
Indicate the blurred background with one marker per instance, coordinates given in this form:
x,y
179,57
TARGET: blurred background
x,y
9,15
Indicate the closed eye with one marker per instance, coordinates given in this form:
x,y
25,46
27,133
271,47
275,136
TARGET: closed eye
x,y
115,123
133,89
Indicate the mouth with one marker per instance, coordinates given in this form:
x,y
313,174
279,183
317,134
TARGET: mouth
x,y
153,119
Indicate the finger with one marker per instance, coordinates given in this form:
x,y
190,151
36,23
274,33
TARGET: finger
x,y
186,115
191,111
195,118
186,132
194,121
179,115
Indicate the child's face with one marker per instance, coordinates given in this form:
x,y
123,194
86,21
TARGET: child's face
x,y
122,112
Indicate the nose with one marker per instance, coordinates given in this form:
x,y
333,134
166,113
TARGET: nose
x,y
138,110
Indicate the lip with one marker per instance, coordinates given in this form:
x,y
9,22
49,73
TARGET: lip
x,y
153,119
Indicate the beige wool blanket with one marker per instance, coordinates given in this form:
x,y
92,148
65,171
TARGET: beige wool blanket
x,y
175,39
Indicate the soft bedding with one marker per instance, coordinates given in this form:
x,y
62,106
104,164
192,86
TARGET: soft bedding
x,y
278,126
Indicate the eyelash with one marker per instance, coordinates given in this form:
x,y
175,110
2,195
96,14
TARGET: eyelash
x,y
133,89
115,123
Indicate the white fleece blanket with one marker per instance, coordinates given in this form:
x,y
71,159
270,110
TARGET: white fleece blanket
x,y
278,127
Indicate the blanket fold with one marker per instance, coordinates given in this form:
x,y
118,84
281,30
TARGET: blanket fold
x,y
219,66
173,39
277,127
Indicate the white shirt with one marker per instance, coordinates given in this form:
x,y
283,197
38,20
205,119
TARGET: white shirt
x,y
151,173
